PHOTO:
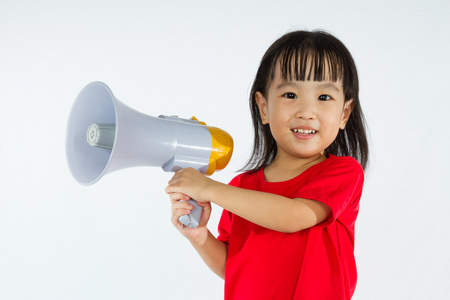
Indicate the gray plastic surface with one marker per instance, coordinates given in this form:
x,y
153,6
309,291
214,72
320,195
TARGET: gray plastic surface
x,y
193,218
125,138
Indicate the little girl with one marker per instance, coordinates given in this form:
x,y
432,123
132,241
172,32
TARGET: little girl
x,y
288,223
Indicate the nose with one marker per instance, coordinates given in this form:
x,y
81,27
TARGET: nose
x,y
306,110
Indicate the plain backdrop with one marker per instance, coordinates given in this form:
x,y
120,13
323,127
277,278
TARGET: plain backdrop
x,y
114,239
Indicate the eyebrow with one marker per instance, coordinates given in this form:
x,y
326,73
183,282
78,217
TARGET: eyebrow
x,y
329,85
319,85
286,83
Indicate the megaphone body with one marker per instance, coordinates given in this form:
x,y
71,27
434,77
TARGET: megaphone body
x,y
105,135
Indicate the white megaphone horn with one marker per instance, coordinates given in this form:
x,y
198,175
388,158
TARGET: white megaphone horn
x,y
104,135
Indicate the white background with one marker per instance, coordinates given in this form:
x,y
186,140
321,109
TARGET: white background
x,y
114,240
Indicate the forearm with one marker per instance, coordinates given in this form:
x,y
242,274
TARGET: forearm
x,y
265,209
214,254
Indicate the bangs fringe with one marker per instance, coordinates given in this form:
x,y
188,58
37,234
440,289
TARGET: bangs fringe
x,y
309,62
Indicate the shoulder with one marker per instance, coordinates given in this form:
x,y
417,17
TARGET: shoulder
x,y
338,182
342,164
337,171
245,178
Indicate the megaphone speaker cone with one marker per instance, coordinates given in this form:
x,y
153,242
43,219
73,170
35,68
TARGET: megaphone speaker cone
x,y
94,104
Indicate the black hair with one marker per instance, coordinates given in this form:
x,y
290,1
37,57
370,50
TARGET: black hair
x,y
302,55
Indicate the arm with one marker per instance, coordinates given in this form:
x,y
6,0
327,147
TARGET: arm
x,y
214,254
211,250
268,210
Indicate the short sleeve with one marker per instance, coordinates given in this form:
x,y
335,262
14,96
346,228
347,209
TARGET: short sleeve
x,y
224,227
338,184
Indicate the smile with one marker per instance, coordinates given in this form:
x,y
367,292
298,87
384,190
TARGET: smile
x,y
304,131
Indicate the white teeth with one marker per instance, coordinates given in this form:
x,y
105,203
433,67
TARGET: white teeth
x,y
304,131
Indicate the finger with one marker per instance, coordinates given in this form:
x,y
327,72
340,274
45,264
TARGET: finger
x,y
203,204
170,188
176,214
177,224
175,197
206,213
182,205
174,186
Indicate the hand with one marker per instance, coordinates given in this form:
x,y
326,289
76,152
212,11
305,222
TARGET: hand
x,y
195,235
192,183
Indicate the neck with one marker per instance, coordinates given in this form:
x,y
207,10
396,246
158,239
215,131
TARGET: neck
x,y
282,169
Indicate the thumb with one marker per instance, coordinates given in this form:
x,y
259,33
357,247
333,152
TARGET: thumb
x,y
206,213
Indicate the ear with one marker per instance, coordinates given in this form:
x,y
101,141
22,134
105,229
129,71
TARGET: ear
x,y
262,105
348,107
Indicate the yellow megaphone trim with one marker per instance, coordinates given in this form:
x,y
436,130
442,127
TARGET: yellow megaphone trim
x,y
221,149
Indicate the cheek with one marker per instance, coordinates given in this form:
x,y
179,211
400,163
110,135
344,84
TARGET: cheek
x,y
332,126
335,117
278,112
272,115
278,122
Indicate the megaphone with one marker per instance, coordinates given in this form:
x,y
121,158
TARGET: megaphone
x,y
104,135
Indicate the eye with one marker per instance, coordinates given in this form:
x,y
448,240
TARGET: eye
x,y
290,95
324,98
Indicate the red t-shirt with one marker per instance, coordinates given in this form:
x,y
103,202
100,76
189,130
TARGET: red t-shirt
x,y
315,263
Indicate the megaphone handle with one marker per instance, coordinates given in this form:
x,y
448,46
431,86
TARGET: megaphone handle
x,y
193,218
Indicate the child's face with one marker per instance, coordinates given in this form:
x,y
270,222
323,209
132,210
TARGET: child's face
x,y
304,116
